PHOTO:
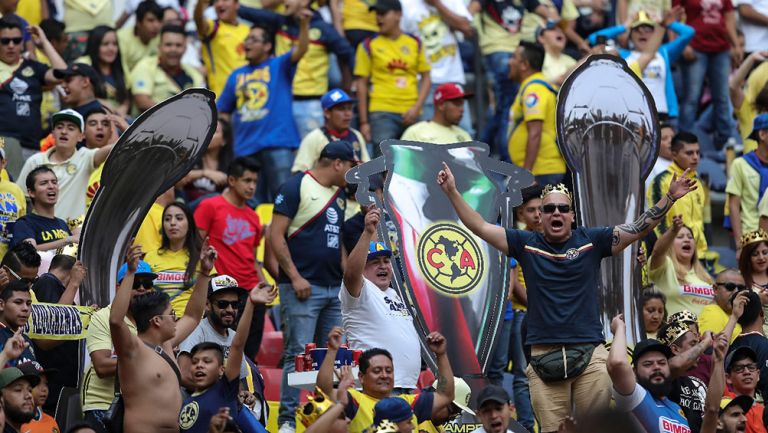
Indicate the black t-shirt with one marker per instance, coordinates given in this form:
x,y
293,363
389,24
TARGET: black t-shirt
x,y
353,229
759,344
42,229
20,98
690,393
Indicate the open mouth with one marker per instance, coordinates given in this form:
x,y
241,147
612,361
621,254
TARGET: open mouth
x,y
496,425
99,136
557,224
687,248
382,274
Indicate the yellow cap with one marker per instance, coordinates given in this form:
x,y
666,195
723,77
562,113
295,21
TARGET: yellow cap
x,y
643,19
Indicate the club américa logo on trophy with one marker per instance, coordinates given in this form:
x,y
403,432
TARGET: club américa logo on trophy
x,y
450,259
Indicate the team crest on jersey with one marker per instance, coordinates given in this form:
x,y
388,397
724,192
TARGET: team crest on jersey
x,y
531,100
188,415
341,203
27,72
315,34
572,254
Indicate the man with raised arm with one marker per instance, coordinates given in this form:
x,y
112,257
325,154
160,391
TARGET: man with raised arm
x,y
561,267
145,363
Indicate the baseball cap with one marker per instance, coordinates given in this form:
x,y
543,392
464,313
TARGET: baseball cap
x,y
760,123
738,354
142,269
12,374
335,97
339,149
462,394
378,249
394,409
224,282
69,115
81,69
382,6
643,19
449,91
743,401
492,393
551,24
33,368
650,345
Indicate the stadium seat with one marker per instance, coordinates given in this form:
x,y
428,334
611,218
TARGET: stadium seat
x,y
272,378
271,349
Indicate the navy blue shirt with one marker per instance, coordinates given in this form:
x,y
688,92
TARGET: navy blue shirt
x,y
27,355
20,98
561,281
314,235
198,409
42,229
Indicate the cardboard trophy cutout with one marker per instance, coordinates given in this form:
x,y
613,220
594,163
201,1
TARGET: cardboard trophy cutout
x,y
607,130
451,280
156,151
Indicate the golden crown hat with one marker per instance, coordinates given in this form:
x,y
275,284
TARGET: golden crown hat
x,y
74,223
68,250
316,406
386,426
752,237
683,316
562,189
671,331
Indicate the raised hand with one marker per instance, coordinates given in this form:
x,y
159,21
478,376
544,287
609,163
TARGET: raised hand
x,y
677,223
721,347
77,274
15,346
739,302
617,324
133,257
446,180
335,337
437,343
372,218
346,381
682,185
208,256
264,293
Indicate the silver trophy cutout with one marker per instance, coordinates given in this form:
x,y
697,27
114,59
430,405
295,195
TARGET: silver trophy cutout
x,y
607,131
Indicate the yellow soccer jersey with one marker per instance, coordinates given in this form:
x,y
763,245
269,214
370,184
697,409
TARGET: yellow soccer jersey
x,y
223,51
393,66
537,102
356,16
13,205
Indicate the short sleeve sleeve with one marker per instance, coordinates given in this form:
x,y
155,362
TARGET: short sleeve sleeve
x,y
204,215
226,101
211,26
762,206
534,103
422,406
424,66
735,184
288,197
602,237
627,403
515,242
98,336
363,59
21,231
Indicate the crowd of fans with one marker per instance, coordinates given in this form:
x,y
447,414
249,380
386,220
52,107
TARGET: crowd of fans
x,y
264,232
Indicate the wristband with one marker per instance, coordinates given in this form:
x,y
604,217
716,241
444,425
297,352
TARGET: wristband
x,y
670,198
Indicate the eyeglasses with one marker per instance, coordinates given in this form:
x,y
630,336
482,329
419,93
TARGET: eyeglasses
x,y
7,41
749,367
172,315
732,286
19,277
222,304
550,208
147,284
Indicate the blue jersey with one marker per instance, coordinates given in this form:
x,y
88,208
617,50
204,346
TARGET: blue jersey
x,y
561,281
198,409
260,99
655,415
314,233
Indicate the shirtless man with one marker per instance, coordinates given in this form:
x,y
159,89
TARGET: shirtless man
x,y
146,364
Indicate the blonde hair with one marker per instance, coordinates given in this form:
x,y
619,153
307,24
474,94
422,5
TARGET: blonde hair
x,y
680,269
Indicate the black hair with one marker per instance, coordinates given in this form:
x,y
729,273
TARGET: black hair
x,y
92,51
268,31
53,29
192,243
530,193
172,28
208,345
752,309
148,7
738,357
665,124
14,286
649,294
100,110
11,22
681,139
147,306
170,8
365,358
32,175
534,54
240,165
761,100
63,262
23,253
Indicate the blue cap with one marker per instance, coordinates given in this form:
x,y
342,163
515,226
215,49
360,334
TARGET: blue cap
x,y
394,409
378,249
143,269
334,97
760,122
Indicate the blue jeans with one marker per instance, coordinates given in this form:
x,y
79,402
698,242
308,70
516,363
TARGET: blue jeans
x,y
306,321
504,91
275,170
308,115
522,396
501,354
429,110
715,67
384,125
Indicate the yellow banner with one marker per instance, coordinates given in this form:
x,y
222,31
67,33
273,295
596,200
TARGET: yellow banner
x,y
58,322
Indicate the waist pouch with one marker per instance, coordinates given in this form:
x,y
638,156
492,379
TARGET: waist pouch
x,y
564,363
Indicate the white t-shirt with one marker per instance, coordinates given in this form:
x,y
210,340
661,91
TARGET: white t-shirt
x,y
73,175
205,333
379,318
440,44
755,35
655,78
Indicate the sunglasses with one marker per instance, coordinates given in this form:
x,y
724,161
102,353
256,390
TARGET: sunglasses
x,y
550,208
147,284
732,286
7,41
172,315
19,277
222,304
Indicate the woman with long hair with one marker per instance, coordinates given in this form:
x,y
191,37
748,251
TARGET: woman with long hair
x,y
677,272
654,310
176,261
209,176
753,264
103,53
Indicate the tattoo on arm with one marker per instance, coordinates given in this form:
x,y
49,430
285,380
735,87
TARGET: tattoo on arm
x,y
647,221
441,384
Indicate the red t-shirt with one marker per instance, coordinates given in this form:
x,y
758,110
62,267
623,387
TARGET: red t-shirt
x,y
707,17
235,233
